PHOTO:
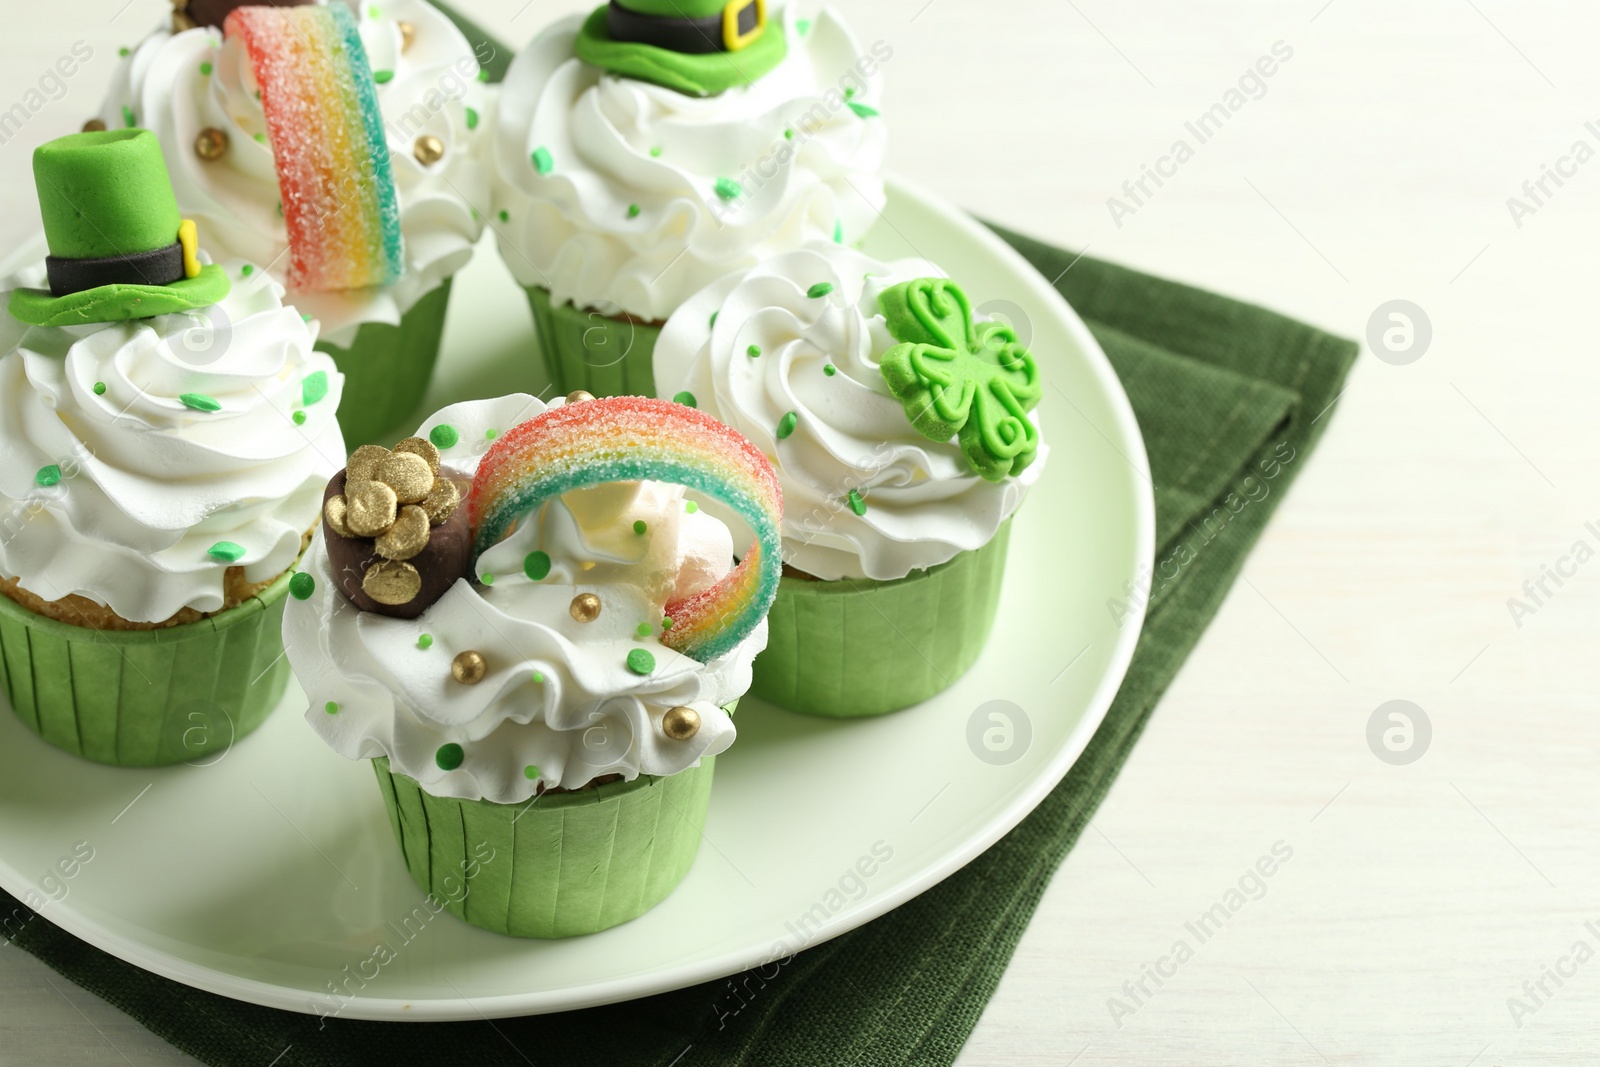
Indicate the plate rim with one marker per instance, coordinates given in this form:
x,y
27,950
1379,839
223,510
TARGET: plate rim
x,y
144,955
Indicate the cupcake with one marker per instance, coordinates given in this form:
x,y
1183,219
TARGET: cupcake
x,y
901,427
539,641
169,430
644,152
344,172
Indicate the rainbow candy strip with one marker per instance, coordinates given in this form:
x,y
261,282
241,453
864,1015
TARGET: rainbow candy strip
x,y
328,144
631,438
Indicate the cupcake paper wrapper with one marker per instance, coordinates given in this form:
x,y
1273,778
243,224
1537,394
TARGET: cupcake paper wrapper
x,y
594,352
146,698
558,866
857,648
387,369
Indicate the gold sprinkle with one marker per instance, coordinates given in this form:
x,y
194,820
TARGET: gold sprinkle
x,y
93,126
469,667
364,463
408,536
579,397
423,447
392,583
211,145
586,607
334,512
442,502
681,724
370,509
408,475
428,149
408,34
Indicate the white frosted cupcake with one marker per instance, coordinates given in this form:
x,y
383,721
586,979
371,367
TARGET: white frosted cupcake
x,y
200,94
164,471
535,733
895,530
619,198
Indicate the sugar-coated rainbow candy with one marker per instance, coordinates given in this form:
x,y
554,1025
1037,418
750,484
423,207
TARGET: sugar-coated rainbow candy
x,y
631,438
328,144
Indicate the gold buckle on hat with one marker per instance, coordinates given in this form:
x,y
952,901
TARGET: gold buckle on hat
x,y
731,37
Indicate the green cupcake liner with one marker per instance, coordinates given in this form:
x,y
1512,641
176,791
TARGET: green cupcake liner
x,y
146,698
559,866
856,648
387,370
594,352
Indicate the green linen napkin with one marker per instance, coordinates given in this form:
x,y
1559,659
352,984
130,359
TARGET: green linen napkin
x,y
1232,399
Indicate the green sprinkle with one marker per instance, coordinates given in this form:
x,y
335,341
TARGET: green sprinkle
x,y
475,215
787,424
641,661
261,138
542,161
655,153
857,504
302,585
331,707
685,398
729,189
838,232
490,435
788,135
820,290
123,52
425,642
374,12
640,526
206,68
754,351
537,566
313,387
849,91
483,75
505,216
450,756
226,551
280,210
383,77
472,118
128,117
863,110
487,579
299,418
47,476
531,773
714,315
803,25
633,211
246,270
691,507
538,678
829,369
200,402
99,388
444,435
666,624
645,629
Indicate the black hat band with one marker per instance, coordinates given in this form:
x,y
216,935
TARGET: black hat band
x,y
690,36
160,266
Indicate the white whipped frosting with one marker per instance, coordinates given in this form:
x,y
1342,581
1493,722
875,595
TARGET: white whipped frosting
x,y
149,484
618,143
559,706
235,200
924,504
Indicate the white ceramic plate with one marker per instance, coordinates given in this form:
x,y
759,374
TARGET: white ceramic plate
x,y
271,876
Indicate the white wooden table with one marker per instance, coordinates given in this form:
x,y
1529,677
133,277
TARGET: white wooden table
x,y
1376,166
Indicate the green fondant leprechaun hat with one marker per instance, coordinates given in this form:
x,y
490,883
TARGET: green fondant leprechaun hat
x,y
118,247
702,47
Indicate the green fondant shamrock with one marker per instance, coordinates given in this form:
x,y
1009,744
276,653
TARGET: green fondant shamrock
x,y
957,378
